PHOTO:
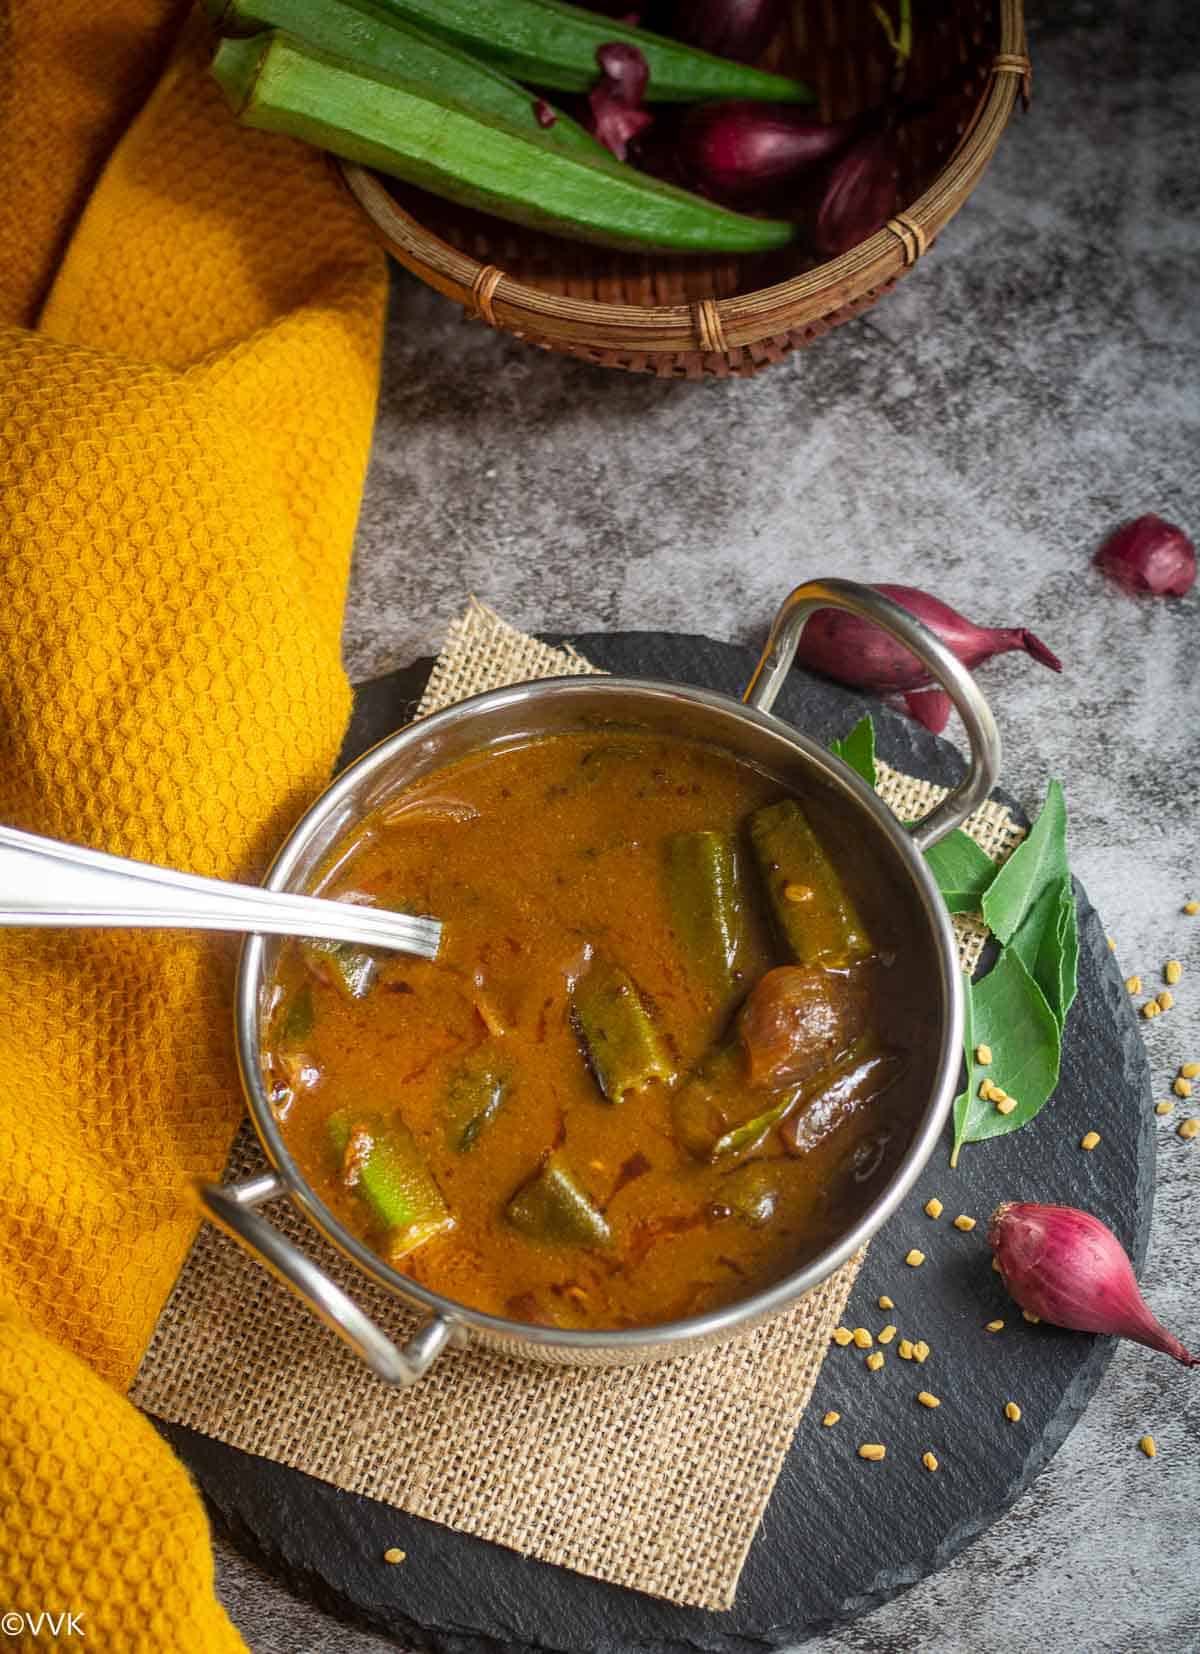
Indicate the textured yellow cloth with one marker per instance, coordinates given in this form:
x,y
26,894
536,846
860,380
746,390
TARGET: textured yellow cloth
x,y
189,337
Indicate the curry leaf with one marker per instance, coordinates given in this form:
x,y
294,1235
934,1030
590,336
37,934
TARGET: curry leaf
x,y
1011,1015
1038,861
1048,943
963,871
858,749
962,1103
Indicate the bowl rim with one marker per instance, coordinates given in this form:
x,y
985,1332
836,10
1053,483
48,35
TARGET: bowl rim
x,y
712,1325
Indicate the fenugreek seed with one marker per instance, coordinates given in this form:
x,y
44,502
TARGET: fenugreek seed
x,y
926,1400
1151,1009
1005,1105
994,1326
1189,1070
1164,1107
1166,1000
983,1054
998,1094
915,1259
904,1349
885,1302
887,1334
797,892
986,1090
872,1450
830,1419
996,1266
1089,1140
1172,971
920,1350
1182,1087
1134,984
964,1223
863,1338
394,1554
1149,1446
1191,907
1012,1412
842,1336
1034,1320
929,1461
1187,1129
933,1207
1112,944
875,1360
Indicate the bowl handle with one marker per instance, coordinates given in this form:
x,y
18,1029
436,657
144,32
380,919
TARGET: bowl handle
x,y
869,604
230,1207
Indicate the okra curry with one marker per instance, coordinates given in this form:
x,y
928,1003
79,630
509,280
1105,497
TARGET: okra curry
x,y
676,1038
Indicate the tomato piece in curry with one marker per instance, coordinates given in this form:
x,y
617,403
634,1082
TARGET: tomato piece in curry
x,y
678,1034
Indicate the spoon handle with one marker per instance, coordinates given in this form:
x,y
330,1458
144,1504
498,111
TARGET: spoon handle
x,y
45,882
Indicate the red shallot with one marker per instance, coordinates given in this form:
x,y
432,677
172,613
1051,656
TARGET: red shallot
x,y
617,116
1068,1268
741,151
931,707
1150,555
860,196
741,29
854,651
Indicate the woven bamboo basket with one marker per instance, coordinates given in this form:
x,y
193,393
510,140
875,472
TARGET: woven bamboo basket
x,y
687,318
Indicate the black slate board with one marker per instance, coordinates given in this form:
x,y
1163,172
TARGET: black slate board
x,y
839,1535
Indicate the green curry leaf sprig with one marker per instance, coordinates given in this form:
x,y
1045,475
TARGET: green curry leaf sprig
x,y
1017,1011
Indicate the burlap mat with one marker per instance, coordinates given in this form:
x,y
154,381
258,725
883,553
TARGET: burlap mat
x,y
650,1477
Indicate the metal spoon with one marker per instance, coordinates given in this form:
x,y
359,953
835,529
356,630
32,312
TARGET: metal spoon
x,y
45,882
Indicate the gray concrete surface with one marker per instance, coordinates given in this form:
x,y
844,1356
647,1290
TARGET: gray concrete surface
x,y
1034,382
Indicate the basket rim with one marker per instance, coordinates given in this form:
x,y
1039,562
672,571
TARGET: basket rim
x,y
710,324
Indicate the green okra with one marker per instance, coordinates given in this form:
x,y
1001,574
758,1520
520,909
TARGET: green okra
x,y
475,1095
550,44
552,1207
624,1050
751,1191
813,909
708,913
370,34
297,1017
391,1178
279,84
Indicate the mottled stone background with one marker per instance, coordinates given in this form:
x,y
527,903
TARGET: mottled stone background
x,y
1033,383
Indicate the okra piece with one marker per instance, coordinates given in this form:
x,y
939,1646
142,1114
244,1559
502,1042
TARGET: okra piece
x,y
812,907
708,912
623,1048
382,1163
716,1113
363,33
476,1094
552,1207
551,44
277,83
352,970
296,1020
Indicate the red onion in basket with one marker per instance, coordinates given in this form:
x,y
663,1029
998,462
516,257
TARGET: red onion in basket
x,y
856,652
860,196
741,151
1068,1268
617,116
741,29
1150,555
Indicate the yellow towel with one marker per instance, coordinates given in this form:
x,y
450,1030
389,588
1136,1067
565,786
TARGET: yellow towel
x,y
190,319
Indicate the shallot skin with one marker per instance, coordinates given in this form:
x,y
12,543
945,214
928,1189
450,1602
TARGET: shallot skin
x,y
1069,1269
853,651
1151,556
